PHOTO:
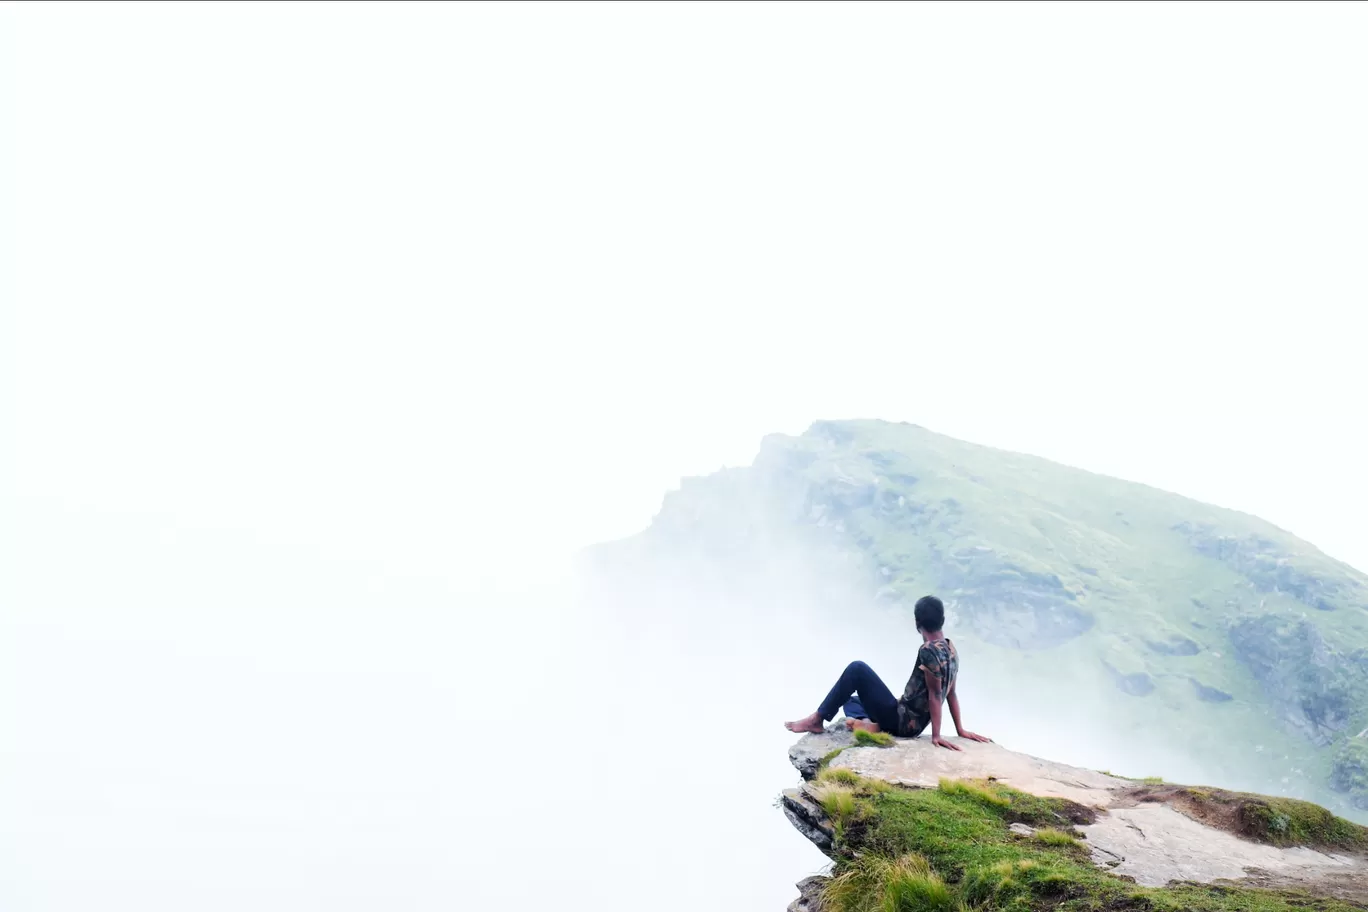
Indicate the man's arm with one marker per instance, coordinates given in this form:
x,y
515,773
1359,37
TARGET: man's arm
x,y
933,693
952,698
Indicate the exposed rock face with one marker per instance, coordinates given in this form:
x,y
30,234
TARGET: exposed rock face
x,y
1136,684
1268,567
809,895
807,817
1010,605
1156,844
1209,694
1350,771
1176,646
1310,682
1153,835
807,754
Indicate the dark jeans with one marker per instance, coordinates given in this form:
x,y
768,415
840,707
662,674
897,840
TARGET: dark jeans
x,y
874,697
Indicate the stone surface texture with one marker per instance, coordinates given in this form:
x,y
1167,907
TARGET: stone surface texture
x,y
1152,842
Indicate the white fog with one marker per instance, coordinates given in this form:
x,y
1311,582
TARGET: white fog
x,y
333,335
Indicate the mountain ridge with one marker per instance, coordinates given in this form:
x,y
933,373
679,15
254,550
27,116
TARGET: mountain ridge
x,y
1205,621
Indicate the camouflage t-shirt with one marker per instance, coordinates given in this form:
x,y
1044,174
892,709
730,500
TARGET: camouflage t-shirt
x,y
914,709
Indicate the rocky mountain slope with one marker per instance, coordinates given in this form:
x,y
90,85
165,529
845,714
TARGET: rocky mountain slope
x,y
917,827
1208,627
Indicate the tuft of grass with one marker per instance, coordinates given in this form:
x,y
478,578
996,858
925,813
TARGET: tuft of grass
x,y
1053,837
838,776
981,793
841,777
873,739
910,885
1153,780
996,883
837,800
903,884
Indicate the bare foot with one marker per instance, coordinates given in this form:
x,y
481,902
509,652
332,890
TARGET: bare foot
x,y
812,723
862,725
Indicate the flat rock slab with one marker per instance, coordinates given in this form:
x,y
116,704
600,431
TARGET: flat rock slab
x,y
1155,844
920,764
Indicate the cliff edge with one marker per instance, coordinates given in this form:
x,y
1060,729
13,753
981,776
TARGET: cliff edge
x,y
911,826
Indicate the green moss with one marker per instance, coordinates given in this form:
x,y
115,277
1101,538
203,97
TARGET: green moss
x,y
826,760
873,739
1288,822
956,852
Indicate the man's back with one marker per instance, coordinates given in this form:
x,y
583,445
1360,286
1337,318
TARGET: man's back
x,y
914,709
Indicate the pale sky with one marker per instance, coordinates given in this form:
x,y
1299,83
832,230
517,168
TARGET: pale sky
x,y
323,272
444,292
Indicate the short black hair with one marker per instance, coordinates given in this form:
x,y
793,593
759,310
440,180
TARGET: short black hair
x,y
930,613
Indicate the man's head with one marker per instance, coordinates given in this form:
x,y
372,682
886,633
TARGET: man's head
x,y
930,614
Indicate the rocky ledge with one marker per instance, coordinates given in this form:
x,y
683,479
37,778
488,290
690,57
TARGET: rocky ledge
x,y
1080,838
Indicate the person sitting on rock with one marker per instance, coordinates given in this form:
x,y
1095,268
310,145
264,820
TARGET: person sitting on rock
x,y
932,682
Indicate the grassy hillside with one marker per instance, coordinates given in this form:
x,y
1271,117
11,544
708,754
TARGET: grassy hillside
x,y
1243,640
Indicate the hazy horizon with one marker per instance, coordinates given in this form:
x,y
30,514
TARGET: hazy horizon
x,y
333,332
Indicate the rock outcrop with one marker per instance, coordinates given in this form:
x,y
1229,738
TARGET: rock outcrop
x,y
1244,627
1145,833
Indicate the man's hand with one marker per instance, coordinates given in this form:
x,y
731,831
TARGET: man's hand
x,y
941,742
971,736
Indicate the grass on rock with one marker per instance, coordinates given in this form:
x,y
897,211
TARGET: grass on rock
x,y
1287,822
873,739
949,849
1278,821
1053,837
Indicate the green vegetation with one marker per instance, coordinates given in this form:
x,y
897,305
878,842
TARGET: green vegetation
x,y
876,884
838,802
873,739
1279,821
981,793
1159,617
826,760
1052,837
1288,822
852,780
906,850
830,776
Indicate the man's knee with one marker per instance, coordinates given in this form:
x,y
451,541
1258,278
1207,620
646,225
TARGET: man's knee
x,y
856,668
